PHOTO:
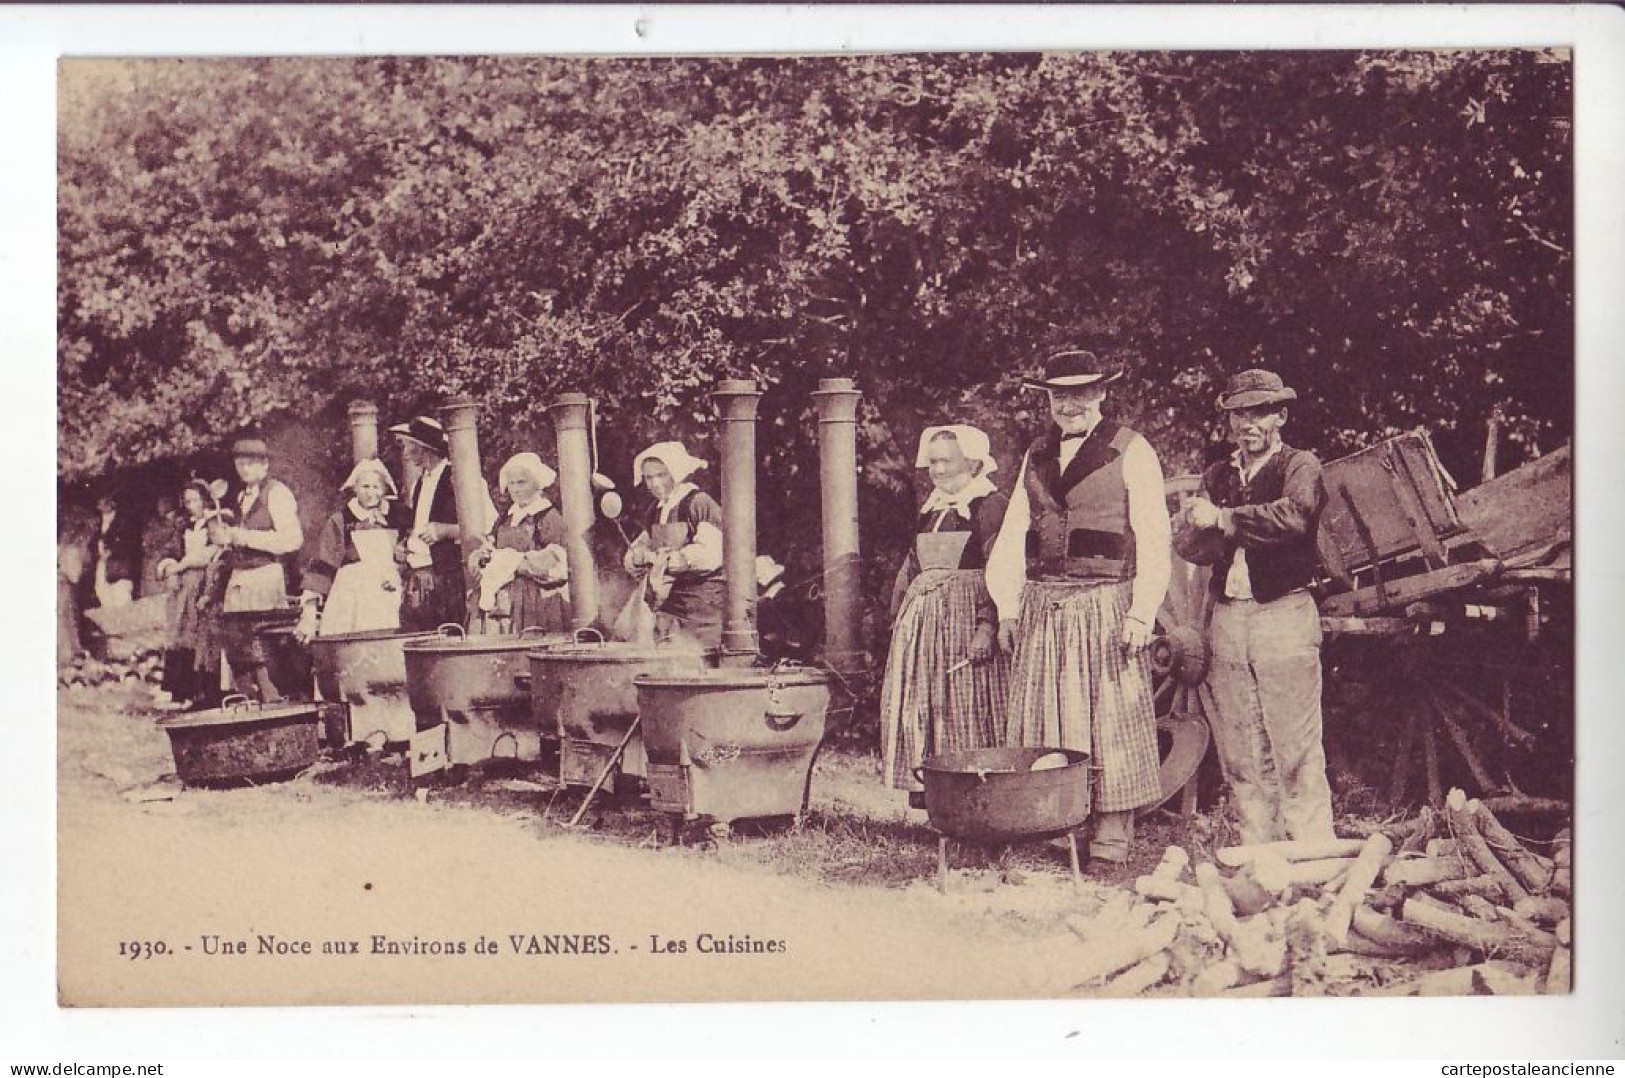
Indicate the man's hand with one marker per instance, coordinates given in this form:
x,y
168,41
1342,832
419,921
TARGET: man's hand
x,y
1202,513
1136,634
309,618
983,642
1007,635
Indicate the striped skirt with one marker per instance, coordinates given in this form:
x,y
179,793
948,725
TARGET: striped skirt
x,y
1073,686
924,709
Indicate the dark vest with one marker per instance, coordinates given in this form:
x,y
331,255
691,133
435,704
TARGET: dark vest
x,y
1276,569
678,532
1080,524
947,540
258,519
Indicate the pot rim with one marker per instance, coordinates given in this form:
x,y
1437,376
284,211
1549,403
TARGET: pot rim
x,y
481,644
618,651
241,716
1075,758
734,678
372,636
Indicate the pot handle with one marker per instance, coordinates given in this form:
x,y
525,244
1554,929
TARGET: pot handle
x,y
918,773
445,629
237,701
541,630
781,721
588,635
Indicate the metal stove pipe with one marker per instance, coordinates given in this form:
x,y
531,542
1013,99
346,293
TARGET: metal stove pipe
x,y
363,431
463,448
837,402
571,422
736,400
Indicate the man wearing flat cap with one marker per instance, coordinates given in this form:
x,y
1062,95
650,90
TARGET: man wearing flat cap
x,y
266,531
434,590
1077,573
1255,523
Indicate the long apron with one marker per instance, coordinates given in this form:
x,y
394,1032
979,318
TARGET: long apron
x,y
366,594
924,709
693,607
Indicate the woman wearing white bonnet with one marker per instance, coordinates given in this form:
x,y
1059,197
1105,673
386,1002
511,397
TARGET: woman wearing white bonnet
x,y
353,582
946,682
521,567
680,549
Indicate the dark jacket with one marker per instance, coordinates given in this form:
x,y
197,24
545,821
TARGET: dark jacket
x,y
1276,518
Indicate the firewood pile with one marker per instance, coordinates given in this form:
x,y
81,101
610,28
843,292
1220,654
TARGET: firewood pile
x,y
145,665
1447,903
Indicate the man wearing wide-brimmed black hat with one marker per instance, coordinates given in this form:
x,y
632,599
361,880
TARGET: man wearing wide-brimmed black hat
x,y
1255,523
434,591
1078,571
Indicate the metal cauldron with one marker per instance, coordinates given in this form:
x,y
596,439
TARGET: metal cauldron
x,y
241,741
479,686
994,796
584,690
733,743
366,673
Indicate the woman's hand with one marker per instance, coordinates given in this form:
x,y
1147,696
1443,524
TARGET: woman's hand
x,y
983,643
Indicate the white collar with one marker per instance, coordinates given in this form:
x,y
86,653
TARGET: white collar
x,y
516,513
941,500
374,516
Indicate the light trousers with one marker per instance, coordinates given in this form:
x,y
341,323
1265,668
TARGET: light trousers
x,y
1262,697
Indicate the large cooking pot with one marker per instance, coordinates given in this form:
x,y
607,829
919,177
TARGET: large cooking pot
x,y
241,741
366,672
479,686
994,795
733,743
584,691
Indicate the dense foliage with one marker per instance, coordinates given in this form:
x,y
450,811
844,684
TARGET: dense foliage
x,y
241,240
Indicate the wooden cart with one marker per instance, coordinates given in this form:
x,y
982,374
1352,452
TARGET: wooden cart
x,y
1448,618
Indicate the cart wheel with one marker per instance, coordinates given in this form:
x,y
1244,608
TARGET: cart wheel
x,y
1179,662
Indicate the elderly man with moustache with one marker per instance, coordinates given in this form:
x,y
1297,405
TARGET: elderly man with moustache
x,y
1255,523
1078,571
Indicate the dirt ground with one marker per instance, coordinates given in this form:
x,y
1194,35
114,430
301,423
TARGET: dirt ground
x,y
353,848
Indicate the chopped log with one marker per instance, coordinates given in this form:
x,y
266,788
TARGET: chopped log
x,y
1163,881
1122,950
1291,850
1216,977
1137,978
1478,906
1246,893
1410,838
1559,974
1497,716
1564,932
1391,936
1442,847
1250,945
1524,805
1524,925
1493,939
1562,848
1483,886
1542,911
1464,823
1519,861
1484,979
1319,873
1264,989
1272,873
1562,883
1361,875
1306,950
1387,897
1423,872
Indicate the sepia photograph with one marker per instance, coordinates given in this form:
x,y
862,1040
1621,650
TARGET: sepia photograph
x,y
876,525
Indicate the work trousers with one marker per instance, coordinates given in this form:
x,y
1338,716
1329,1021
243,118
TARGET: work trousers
x,y
1262,697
